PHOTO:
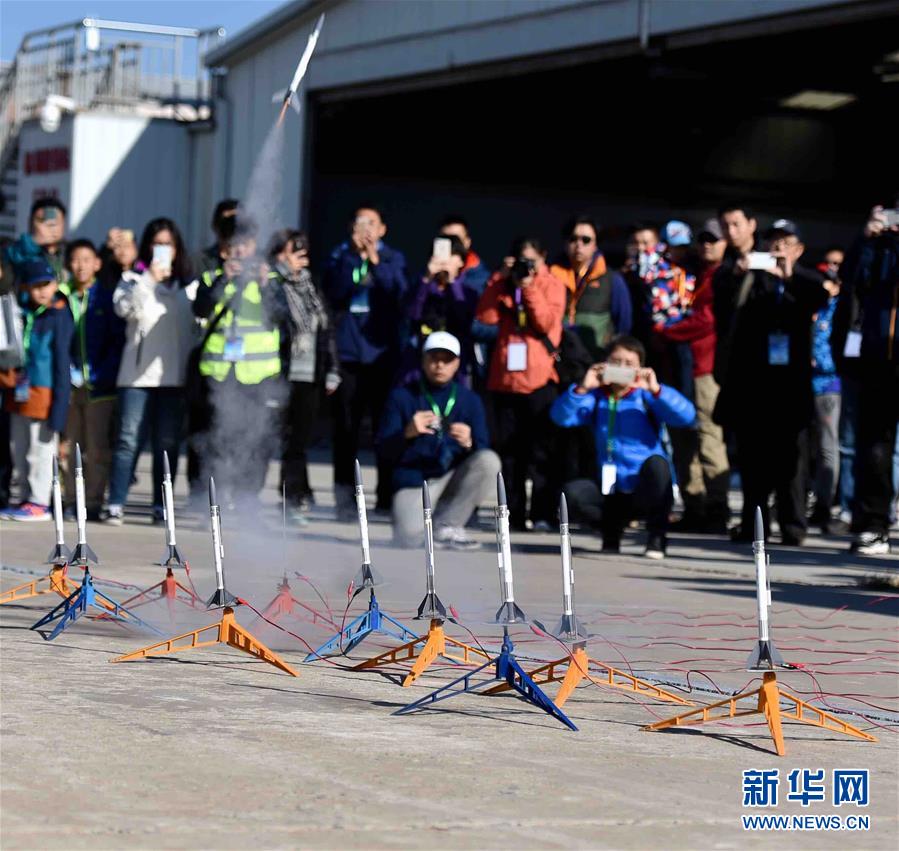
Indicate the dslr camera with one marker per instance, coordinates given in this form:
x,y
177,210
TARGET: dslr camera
x,y
522,268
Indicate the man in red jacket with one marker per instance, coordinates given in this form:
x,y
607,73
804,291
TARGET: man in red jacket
x,y
700,455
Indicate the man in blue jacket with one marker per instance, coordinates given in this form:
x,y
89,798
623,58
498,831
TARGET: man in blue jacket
x,y
364,283
624,404
435,429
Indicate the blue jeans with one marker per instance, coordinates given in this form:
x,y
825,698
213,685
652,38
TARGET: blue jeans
x,y
159,411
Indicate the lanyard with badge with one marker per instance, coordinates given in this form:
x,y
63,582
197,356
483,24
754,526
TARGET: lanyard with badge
x,y
23,385
441,416
359,300
517,351
79,312
234,347
609,470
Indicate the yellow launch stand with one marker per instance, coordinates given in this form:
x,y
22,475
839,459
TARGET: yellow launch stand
x,y
572,670
769,698
435,644
227,631
58,583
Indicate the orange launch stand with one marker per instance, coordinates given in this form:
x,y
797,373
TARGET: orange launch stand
x,y
58,583
575,668
227,631
284,604
769,698
169,589
435,644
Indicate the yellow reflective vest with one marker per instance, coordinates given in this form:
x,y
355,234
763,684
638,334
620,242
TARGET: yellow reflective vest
x,y
254,349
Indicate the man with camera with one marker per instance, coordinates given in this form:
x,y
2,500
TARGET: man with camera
x,y
365,285
865,333
624,403
525,301
240,365
766,394
435,429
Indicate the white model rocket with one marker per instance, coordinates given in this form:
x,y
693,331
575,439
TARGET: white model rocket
x,y
367,577
430,607
221,597
83,553
568,627
508,612
172,556
290,96
765,656
60,554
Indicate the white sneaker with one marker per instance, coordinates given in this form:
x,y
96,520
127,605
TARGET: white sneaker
x,y
115,516
455,538
871,544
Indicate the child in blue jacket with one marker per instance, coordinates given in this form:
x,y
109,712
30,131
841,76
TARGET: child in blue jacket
x,y
635,475
37,394
96,352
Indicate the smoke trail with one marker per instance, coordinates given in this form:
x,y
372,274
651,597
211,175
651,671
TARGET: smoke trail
x,y
264,191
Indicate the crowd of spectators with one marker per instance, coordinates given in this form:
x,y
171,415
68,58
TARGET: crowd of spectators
x,y
710,352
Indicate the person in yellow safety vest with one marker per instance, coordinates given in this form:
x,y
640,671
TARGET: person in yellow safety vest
x,y
240,365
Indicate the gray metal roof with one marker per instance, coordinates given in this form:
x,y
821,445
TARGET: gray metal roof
x,y
293,12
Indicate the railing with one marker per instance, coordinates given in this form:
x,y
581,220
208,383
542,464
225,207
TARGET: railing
x,y
112,63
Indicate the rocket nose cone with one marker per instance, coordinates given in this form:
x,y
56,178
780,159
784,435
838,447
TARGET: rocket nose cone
x,y
77,456
212,496
357,473
166,470
500,490
759,532
55,467
425,496
563,509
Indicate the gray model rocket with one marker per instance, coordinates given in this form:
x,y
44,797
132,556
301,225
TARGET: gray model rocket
x,y
60,554
221,597
290,96
430,607
568,627
172,556
367,577
765,656
83,553
508,612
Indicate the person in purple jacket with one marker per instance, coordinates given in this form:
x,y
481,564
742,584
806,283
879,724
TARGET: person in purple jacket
x,y
625,404
365,285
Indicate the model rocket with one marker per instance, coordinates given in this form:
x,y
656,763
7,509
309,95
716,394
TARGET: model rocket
x,y
367,577
290,96
568,627
430,607
221,597
765,656
508,612
60,554
83,553
172,556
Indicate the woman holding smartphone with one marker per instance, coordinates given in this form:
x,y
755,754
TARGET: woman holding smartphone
x,y
155,301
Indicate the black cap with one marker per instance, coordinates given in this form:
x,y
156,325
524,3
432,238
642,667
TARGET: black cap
x,y
710,227
783,226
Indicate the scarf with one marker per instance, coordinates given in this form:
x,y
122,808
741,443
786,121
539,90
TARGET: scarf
x,y
307,316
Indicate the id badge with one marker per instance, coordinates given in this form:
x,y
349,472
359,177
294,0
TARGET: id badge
x,y
853,347
23,389
233,349
359,302
517,357
76,376
778,350
608,478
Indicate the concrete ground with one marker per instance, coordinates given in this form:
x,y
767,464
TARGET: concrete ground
x,y
214,749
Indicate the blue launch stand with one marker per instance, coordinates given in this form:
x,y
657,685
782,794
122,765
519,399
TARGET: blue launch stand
x,y
77,604
357,630
506,669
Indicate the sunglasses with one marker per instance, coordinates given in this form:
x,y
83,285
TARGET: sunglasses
x,y
583,240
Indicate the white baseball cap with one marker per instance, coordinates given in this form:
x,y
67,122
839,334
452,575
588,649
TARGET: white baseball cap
x,y
444,341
